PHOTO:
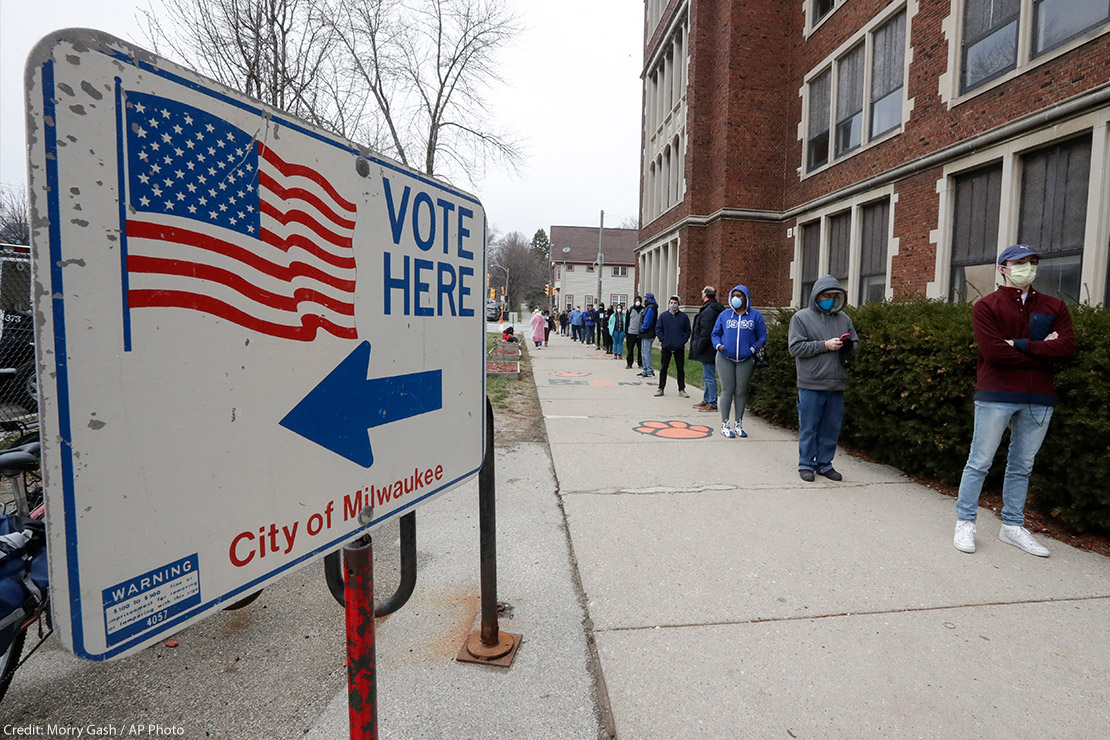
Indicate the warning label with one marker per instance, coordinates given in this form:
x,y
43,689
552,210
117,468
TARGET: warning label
x,y
143,602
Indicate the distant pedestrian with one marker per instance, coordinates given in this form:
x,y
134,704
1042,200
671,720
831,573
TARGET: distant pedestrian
x,y
702,349
647,333
577,320
548,326
1020,334
606,335
632,337
539,323
673,329
822,341
591,325
564,323
617,330
737,333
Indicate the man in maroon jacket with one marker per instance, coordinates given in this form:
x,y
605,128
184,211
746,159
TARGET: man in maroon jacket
x,y
1021,334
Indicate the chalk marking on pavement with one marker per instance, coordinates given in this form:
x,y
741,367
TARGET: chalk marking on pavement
x,y
558,416
809,617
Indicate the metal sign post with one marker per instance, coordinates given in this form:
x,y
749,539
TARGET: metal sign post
x,y
230,302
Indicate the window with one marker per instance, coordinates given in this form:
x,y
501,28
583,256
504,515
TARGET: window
x,y
978,195
872,264
1053,218
887,70
570,268
811,252
867,100
618,299
1058,21
620,270
558,272
818,149
990,40
849,101
821,8
570,302
589,302
840,242
591,268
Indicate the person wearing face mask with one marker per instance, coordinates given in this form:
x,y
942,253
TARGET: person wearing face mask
x,y
822,341
673,330
1020,334
738,332
632,329
648,321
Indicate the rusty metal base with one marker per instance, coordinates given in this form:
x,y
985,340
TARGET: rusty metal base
x,y
501,654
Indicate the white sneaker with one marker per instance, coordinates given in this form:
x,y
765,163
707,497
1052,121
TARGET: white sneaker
x,y
1020,537
726,430
964,539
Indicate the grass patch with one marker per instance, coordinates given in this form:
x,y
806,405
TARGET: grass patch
x,y
693,368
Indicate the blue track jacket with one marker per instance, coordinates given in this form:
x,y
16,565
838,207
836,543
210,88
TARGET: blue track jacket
x,y
741,334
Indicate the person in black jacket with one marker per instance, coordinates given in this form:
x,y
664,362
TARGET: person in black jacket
x,y
701,346
647,334
673,330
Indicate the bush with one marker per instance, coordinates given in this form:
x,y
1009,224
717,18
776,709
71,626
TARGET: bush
x,y
909,402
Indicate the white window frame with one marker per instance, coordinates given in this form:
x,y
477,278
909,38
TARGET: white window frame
x,y
855,248
812,24
1093,273
949,83
831,64
620,271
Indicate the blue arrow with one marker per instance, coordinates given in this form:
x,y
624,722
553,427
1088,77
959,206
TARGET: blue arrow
x,y
337,413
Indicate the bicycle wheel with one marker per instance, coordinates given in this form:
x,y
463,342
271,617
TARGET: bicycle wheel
x,y
8,662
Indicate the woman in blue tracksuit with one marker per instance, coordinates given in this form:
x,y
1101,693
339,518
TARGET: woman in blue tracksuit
x,y
738,333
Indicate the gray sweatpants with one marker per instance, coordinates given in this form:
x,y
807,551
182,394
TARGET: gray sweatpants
x,y
734,385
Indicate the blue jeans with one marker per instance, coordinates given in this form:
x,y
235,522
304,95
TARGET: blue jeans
x,y
820,414
645,355
618,343
709,378
1028,426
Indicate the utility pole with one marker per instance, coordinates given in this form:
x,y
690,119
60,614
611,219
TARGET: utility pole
x,y
600,256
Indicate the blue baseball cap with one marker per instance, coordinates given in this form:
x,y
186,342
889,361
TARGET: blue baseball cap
x,y
1016,252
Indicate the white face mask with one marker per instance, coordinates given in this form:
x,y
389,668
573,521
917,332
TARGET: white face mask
x,y
1023,274
672,307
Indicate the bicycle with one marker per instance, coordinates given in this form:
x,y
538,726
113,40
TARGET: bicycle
x,y
17,464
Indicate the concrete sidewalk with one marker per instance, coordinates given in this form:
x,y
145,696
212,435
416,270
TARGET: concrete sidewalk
x,y
731,599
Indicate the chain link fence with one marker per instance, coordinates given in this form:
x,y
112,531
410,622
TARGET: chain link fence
x,y
19,390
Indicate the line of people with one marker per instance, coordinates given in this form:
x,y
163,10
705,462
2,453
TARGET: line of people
x,y
1021,336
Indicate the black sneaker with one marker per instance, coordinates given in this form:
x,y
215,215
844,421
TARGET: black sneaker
x,y
807,475
831,474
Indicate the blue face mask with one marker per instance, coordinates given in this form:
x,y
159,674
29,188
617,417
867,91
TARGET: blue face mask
x,y
826,304
737,302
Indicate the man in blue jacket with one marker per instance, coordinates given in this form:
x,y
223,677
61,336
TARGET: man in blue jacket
x,y
576,324
591,325
673,328
647,333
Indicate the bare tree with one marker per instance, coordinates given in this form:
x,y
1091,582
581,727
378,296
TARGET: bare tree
x,y
514,264
15,220
426,65
279,51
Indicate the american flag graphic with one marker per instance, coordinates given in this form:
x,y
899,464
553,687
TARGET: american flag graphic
x,y
220,223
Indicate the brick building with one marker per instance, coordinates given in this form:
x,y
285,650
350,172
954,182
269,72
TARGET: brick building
x,y
574,272
899,145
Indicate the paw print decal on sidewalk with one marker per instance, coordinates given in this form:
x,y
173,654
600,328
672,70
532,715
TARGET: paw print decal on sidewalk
x,y
674,430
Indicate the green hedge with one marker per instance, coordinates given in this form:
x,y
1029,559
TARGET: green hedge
x,y
909,402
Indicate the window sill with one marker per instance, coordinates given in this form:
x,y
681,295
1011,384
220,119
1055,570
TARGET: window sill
x,y
855,152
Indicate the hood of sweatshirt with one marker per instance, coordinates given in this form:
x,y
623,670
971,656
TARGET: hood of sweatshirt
x,y
747,297
823,285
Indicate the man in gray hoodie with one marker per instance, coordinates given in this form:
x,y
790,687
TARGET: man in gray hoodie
x,y
823,342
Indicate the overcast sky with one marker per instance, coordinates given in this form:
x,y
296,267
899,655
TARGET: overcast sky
x,y
573,98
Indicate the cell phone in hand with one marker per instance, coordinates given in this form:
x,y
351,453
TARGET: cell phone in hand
x,y
844,337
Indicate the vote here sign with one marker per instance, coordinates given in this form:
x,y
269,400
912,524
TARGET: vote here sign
x,y
255,339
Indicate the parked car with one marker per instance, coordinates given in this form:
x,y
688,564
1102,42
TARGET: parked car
x,y
493,310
